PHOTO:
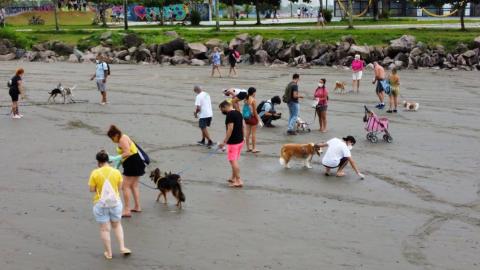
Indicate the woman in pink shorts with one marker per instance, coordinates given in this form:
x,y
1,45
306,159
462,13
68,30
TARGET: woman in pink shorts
x,y
233,140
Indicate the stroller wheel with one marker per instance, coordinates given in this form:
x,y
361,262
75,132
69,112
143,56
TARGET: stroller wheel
x,y
309,130
369,136
387,138
374,138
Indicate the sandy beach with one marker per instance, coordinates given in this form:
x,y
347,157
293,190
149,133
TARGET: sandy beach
x,y
418,208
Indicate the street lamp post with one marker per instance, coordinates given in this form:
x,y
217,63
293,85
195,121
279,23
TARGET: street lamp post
x,y
125,13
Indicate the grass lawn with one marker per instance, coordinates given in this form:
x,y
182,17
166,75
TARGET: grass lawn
x,y
77,26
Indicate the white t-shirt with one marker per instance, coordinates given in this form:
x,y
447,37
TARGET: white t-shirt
x,y
337,149
203,101
237,91
101,67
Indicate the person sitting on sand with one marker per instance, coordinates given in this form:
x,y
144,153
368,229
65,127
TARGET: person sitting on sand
x,y
338,155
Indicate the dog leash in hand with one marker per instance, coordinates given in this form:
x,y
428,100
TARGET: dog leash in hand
x,y
207,156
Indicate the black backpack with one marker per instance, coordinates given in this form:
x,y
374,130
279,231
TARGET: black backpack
x,y
108,69
260,106
287,96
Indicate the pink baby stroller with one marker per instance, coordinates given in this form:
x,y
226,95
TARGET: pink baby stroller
x,y
375,125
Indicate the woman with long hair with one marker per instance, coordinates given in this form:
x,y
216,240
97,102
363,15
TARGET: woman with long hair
x,y
251,121
133,168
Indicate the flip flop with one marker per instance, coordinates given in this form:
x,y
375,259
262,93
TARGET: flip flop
x,y
126,252
106,256
249,150
127,216
230,181
256,151
135,211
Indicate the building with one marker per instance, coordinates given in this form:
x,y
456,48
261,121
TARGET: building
x,y
396,8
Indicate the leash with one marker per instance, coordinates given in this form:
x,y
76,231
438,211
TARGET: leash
x,y
203,158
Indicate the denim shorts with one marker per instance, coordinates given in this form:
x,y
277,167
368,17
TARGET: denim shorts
x,y
105,215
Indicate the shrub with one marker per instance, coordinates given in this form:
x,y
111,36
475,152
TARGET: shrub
x,y
19,39
195,17
327,14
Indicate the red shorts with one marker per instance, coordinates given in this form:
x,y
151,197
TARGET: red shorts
x,y
233,151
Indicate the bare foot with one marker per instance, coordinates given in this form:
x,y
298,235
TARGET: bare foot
x,y
340,174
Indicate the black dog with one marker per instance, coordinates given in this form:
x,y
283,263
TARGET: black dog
x,y
169,182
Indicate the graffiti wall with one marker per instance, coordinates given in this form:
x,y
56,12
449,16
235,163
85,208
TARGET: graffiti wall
x,y
178,12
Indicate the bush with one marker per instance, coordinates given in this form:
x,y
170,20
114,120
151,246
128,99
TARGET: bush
x,y
327,14
19,39
195,17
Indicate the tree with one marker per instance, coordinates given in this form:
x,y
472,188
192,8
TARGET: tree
x,y
247,8
55,7
291,6
375,10
350,14
458,5
101,8
231,4
262,5
3,4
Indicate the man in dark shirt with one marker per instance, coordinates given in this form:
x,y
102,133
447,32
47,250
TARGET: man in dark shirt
x,y
233,140
291,97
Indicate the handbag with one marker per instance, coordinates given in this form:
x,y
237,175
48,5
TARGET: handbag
x,y
142,154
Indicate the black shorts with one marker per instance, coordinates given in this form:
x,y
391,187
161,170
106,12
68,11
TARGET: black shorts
x,y
233,63
133,166
14,95
204,122
321,108
342,161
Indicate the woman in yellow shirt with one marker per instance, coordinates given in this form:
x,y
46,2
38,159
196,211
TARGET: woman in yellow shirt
x,y
133,168
107,216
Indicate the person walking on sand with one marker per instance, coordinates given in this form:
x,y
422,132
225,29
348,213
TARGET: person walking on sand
x,y
357,72
133,168
100,76
394,81
15,90
321,96
320,18
233,59
252,119
338,155
233,140
216,62
291,97
105,182
203,111
380,80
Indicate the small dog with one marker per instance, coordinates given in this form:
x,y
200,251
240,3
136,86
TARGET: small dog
x,y
299,151
411,106
339,87
66,93
169,182
302,125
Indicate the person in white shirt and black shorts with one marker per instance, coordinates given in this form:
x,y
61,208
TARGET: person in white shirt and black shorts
x,y
203,111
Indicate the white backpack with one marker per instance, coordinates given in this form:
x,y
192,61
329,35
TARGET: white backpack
x,y
108,197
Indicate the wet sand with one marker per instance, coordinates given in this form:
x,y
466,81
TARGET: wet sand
x,y
418,208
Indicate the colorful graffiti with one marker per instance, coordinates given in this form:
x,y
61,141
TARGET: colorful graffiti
x,y
177,12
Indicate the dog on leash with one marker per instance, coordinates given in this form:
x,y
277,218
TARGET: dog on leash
x,y
169,182
411,106
339,87
65,92
299,151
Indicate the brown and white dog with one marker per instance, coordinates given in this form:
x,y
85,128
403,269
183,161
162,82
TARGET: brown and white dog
x,y
411,106
339,87
299,151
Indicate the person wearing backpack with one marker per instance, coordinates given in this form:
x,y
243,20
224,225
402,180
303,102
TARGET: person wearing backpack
x,y
233,59
266,111
291,97
252,119
105,182
15,86
102,71
133,168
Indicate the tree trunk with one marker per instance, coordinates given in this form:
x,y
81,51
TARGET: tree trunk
x,y
210,10
257,10
217,23
233,13
125,13
321,5
291,10
462,16
375,10
56,15
162,16
350,14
